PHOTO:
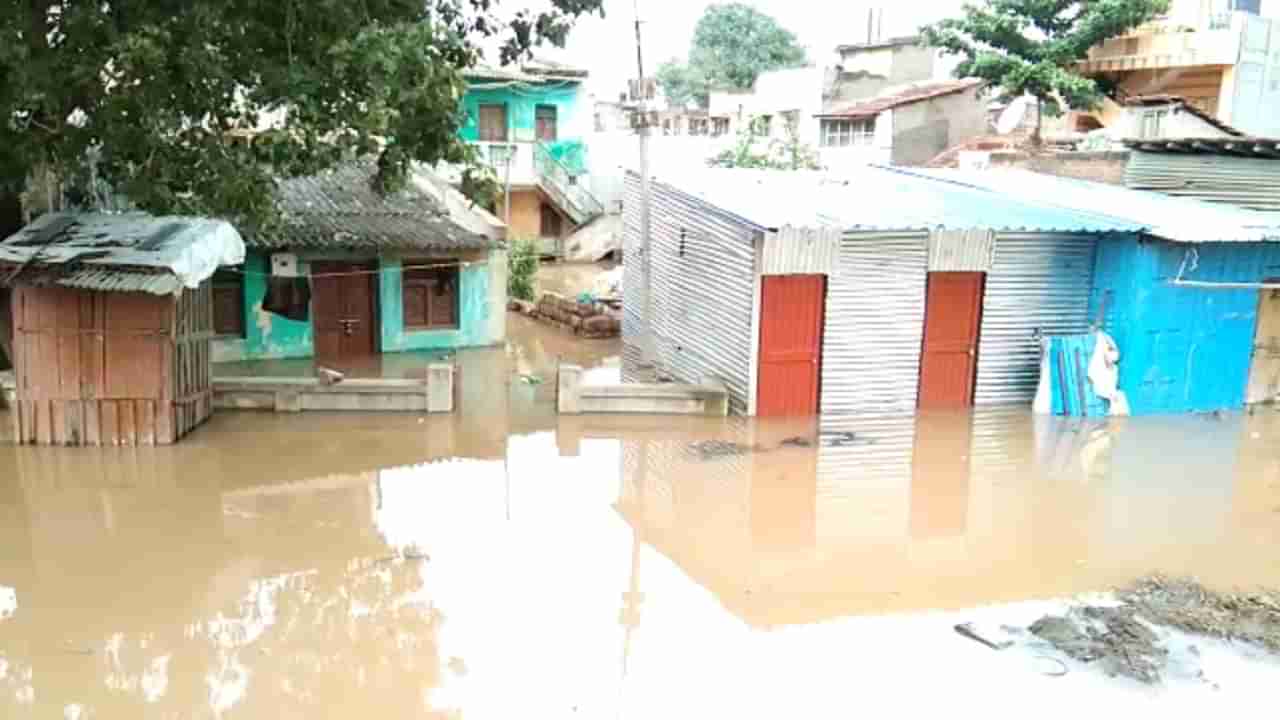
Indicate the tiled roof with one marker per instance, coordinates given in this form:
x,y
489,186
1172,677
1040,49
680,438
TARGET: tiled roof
x,y
1158,100
339,208
904,96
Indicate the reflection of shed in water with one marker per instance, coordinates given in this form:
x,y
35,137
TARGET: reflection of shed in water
x,y
112,320
905,513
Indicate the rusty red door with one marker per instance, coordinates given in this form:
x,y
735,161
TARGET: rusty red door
x,y
791,312
343,300
949,361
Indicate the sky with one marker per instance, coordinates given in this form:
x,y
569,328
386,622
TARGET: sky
x,y
606,46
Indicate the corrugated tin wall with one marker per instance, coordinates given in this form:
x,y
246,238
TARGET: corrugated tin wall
x,y
703,269
1037,282
875,321
1241,181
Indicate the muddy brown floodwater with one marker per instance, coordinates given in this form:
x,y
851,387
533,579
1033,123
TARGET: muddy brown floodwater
x,y
506,563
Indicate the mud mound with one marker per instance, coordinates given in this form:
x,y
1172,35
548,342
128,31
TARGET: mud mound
x,y
1188,606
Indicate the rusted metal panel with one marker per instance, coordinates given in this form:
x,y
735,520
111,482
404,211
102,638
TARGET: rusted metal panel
x,y
953,311
961,250
1039,283
1245,182
703,270
800,251
874,324
791,316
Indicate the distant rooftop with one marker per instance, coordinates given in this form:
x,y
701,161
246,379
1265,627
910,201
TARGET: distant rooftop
x,y
872,107
880,44
532,71
1183,104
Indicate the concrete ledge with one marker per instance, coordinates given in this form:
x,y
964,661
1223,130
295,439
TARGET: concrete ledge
x,y
574,398
289,395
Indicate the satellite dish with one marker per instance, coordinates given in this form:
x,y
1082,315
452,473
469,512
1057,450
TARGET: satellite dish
x,y
1012,116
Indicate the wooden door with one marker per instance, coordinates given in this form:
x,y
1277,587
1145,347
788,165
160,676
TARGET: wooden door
x,y
345,320
493,123
791,315
1264,377
545,118
949,361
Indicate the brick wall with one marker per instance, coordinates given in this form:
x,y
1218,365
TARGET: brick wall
x,y
1103,167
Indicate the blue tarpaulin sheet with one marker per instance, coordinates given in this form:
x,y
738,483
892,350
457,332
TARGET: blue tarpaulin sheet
x,y
1071,393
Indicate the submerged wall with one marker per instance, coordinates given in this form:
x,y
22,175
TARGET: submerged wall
x,y
481,313
1182,349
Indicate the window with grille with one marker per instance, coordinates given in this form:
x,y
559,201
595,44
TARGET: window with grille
x,y
430,295
493,123
228,303
848,133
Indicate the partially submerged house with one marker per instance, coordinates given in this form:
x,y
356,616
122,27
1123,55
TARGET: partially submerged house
x,y
884,290
112,316
350,273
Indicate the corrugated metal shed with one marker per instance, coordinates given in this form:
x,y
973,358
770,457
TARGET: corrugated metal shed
x,y
339,209
1247,182
1176,219
881,200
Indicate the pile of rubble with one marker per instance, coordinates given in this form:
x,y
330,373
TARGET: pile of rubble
x,y
586,319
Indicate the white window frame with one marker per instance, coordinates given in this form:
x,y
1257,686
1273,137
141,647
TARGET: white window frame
x,y
847,132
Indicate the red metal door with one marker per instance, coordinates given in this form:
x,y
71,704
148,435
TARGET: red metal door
x,y
953,313
345,322
791,312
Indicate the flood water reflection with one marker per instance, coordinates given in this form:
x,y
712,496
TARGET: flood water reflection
x,y
529,566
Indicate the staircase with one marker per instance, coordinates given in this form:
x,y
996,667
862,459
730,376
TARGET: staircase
x,y
561,185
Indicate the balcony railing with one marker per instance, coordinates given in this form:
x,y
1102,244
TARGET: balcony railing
x,y
564,187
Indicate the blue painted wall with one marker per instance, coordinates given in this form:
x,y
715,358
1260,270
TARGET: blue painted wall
x,y
572,115
473,312
270,337
1182,349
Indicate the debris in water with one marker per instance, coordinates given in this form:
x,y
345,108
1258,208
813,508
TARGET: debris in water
x,y
1111,634
1050,666
1252,617
531,379
328,376
713,449
969,631
797,442
846,439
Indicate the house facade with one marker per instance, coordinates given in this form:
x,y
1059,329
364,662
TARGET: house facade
x,y
885,291
531,126
1222,56
351,274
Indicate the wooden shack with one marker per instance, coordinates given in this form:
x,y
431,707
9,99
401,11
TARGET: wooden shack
x,y
112,320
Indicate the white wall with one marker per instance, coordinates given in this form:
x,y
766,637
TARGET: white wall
x,y
1177,124
880,151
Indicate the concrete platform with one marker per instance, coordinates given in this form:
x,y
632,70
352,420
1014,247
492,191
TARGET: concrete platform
x,y
434,394
573,397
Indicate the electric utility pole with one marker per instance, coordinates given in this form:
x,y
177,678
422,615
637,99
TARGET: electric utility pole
x,y
649,347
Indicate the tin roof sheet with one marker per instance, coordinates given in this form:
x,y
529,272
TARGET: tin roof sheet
x,y
124,252
899,97
877,199
1172,218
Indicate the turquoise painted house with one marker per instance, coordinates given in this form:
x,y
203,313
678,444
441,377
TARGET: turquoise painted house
x,y
531,125
352,274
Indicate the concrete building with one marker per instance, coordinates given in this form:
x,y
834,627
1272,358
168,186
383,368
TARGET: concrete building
x,y
531,125
352,273
1221,56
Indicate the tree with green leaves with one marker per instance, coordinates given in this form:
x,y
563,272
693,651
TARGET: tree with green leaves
x,y
733,44
155,98
753,149
1031,47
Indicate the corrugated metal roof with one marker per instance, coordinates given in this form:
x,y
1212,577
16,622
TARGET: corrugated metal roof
x,y
877,199
1247,182
121,252
339,208
1171,218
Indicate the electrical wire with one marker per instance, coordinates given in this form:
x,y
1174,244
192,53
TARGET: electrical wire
x,y
353,273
